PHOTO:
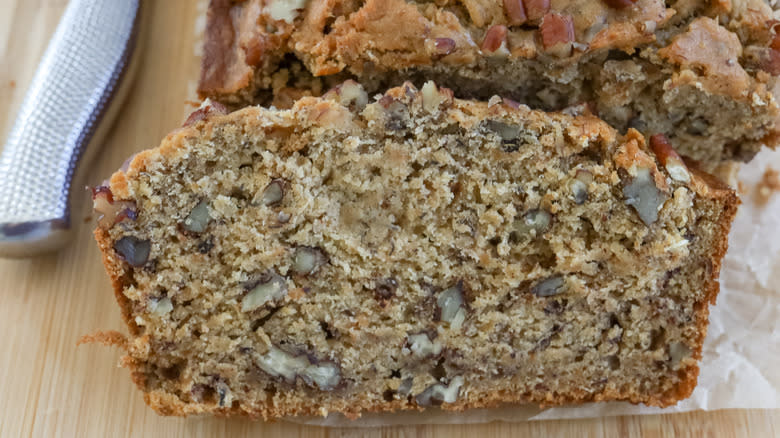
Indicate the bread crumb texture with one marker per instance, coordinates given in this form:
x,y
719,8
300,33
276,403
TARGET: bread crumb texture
x,y
353,254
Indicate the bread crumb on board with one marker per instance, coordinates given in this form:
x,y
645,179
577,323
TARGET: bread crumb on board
x,y
769,184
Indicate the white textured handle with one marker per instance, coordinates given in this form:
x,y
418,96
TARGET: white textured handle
x,y
69,95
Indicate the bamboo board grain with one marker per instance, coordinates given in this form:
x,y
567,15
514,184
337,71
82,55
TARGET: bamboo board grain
x,y
50,387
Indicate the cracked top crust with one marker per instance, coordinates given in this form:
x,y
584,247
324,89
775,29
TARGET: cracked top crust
x,y
700,72
334,36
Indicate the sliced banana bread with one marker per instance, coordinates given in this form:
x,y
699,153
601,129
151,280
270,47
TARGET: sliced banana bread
x,y
699,71
416,250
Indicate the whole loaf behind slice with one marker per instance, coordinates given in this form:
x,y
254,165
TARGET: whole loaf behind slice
x,y
349,255
700,72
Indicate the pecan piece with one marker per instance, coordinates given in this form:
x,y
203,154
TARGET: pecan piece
x,y
273,193
279,363
439,393
557,34
349,94
533,224
198,219
307,260
133,250
207,109
515,12
495,39
772,62
642,194
452,305
669,158
270,287
440,46
549,286
535,9
422,346
579,186
109,211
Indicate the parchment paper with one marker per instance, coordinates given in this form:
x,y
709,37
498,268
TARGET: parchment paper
x,y
740,367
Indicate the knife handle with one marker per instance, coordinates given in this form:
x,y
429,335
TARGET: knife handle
x,y
74,93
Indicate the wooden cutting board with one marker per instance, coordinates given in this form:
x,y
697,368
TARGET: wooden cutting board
x,y
51,387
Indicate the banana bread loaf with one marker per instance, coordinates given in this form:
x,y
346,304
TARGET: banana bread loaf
x,y
699,71
349,255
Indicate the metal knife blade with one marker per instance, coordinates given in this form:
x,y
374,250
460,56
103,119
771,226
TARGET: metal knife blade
x,y
72,97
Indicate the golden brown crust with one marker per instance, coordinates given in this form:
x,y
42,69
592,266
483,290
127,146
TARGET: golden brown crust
x,y
334,35
708,186
397,35
311,109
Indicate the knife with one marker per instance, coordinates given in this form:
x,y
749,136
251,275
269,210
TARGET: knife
x,y
75,94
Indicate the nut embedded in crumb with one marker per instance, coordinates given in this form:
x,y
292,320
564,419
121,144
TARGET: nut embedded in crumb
x,y
225,396
678,352
198,219
579,186
133,250
307,260
506,131
512,136
550,286
273,193
160,306
271,287
433,97
532,225
642,194
325,375
422,346
279,363
439,393
451,306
